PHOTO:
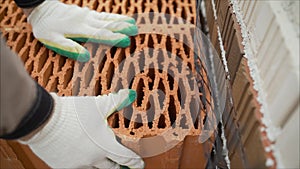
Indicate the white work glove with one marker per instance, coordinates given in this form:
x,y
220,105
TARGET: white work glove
x,y
77,134
54,24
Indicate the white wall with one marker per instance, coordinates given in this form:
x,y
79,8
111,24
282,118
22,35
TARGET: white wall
x,y
273,28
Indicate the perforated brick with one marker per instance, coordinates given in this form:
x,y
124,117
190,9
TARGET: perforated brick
x,y
173,100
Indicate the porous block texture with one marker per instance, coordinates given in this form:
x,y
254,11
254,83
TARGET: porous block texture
x,y
173,99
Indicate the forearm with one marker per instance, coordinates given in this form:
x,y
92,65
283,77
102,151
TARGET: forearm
x,y
18,90
25,106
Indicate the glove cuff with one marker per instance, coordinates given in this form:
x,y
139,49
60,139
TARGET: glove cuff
x,y
49,128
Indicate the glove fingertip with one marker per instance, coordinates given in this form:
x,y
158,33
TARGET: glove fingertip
x,y
130,98
131,20
83,57
125,42
132,30
132,95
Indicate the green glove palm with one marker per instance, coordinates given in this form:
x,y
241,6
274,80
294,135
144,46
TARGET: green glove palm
x,y
56,25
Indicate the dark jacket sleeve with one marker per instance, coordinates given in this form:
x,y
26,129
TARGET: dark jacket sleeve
x,y
24,104
28,3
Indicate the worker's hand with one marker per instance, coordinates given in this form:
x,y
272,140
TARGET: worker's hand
x,y
77,134
56,25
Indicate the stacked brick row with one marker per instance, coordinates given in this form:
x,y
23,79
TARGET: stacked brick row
x,y
246,142
159,65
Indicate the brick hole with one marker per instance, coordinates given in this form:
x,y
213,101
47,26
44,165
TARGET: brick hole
x,y
118,10
196,123
127,4
142,38
183,122
175,20
158,37
167,13
80,66
18,17
68,76
150,41
127,113
140,92
151,52
3,13
177,37
132,46
181,93
141,60
159,6
24,55
172,111
48,73
142,21
94,50
102,60
130,74
195,107
110,71
168,44
95,5
204,120
186,48
21,42
98,87
43,56
160,58
162,122
89,73
191,80
113,51
119,84
161,94
174,5
5,35
76,87
190,66
178,53
79,3
179,61
150,114
138,122
151,75
184,15
53,86
203,97
159,21
61,62
143,3
30,68
151,15
115,121
171,79
14,36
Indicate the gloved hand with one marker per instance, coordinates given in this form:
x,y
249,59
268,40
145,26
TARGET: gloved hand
x,y
54,24
77,134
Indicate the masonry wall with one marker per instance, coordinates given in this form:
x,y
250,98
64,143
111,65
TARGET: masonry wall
x,y
173,100
264,80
